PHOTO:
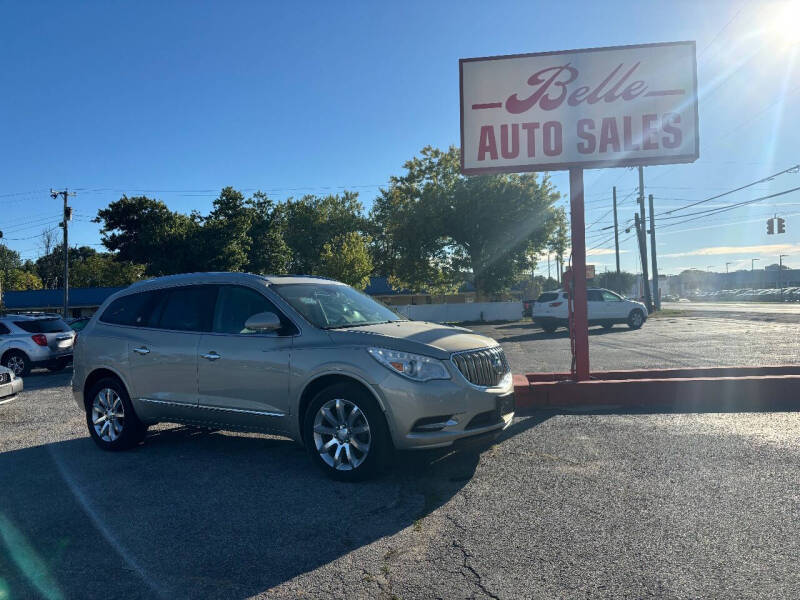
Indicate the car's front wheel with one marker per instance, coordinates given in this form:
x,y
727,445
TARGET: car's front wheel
x,y
345,432
635,319
109,415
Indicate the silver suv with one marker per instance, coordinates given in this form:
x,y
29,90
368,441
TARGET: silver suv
x,y
304,357
28,341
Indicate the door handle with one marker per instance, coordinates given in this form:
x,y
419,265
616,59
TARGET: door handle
x,y
142,350
211,356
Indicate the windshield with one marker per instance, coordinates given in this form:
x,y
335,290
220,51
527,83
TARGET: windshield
x,y
42,326
330,306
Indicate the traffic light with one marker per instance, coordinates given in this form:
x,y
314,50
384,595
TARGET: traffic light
x,y
781,225
770,226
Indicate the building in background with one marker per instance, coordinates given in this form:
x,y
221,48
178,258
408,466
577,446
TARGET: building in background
x,y
83,302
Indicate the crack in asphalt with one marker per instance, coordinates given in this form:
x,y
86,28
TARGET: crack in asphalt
x,y
478,579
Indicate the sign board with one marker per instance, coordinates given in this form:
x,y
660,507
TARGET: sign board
x,y
590,273
600,107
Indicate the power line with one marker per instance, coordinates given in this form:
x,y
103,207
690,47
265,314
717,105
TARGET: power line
x,y
793,169
731,207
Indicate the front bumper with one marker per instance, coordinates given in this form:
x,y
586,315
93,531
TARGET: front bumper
x,y
455,409
12,388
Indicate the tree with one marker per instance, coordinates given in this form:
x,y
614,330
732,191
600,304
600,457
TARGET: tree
x,y
346,258
621,283
559,239
269,252
313,221
10,262
102,270
21,279
440,225
224,235
144,231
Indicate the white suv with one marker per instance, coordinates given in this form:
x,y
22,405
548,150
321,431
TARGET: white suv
x,y
605,307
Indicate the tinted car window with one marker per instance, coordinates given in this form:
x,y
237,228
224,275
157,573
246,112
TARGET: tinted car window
x,y
132,310
3,329
594,296
43,326
547,297
189,308
236,304
611,297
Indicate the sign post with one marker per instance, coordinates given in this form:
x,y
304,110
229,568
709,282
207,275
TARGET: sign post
x,y
619,106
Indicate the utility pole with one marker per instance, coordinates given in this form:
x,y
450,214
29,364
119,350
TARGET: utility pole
x,y
65,224
616,232
780,269
656,295
643,255
643,220
752,275
548,265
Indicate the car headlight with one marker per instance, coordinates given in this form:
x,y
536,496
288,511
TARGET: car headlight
x,y
413,366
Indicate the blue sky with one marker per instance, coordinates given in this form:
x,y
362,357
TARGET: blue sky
x,y
178,99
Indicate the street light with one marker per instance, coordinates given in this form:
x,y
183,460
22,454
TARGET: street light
x,y
726,267
780,268
752,277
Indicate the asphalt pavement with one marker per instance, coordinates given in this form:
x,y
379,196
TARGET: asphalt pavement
x,y
583,505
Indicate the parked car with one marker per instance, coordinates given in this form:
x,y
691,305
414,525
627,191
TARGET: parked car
x,y
305,357
78,324
605,308
28,341
10,385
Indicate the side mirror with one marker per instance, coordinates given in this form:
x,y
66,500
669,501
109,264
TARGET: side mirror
x,y
264,321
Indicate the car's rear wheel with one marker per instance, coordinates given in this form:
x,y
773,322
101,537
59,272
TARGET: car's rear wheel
x,y
18,362
635,319
109,415
608,325
345,432
549,327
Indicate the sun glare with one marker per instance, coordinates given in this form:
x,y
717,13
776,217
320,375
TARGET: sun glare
x,y
783,24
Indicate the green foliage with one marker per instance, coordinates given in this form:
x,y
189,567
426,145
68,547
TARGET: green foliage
x,y
87,268
144,231
313,221
559,238
269,252
346,258
434,225
621,283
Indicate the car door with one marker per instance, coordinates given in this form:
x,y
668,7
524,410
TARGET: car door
x,y
163,350
596,306
243,375
614,306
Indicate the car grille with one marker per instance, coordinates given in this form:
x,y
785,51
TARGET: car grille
x,y
5,377
485,368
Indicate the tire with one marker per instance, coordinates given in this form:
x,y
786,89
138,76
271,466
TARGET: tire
x,y
635,319
105,398
549,328
608,325
18,362
331,439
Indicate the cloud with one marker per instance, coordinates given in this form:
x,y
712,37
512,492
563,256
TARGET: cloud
x,y
602,251
763,249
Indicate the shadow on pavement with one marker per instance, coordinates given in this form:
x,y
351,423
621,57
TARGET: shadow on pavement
x,y
42,379
535,333
193,513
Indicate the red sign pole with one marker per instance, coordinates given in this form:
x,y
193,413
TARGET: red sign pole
x,y
580,321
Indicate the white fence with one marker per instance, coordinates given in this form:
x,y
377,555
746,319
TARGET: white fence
x,y
457,313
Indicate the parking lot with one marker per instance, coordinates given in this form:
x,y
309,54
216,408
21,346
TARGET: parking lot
x,y
582,505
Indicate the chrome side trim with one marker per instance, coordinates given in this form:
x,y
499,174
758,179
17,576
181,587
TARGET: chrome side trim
x,y
263,413
436,426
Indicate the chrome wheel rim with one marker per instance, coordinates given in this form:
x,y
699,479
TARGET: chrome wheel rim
x,y
16,364
342,435
108,415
